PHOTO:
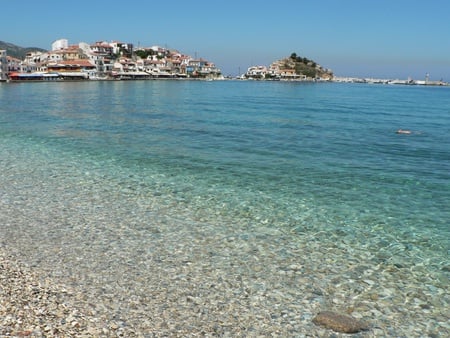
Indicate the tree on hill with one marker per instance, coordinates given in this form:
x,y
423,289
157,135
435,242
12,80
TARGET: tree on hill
x,y
304,69
143,54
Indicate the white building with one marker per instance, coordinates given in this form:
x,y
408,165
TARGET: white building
x,y
60,44
258,72
85,48
14,64
121,48
3,66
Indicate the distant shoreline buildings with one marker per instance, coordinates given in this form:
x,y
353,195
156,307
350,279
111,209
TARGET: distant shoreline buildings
x,y
408,82
121,61
104,61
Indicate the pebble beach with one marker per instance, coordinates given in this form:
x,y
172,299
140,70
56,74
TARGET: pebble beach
x,y
236,286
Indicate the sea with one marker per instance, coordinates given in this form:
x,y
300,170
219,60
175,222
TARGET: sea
x,y
233,208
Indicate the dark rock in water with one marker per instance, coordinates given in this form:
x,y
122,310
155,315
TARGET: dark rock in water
x,y
339,323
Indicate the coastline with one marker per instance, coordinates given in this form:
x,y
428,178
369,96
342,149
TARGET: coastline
x,y
344,80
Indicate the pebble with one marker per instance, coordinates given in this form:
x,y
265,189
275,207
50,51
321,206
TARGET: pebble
x,y
369,282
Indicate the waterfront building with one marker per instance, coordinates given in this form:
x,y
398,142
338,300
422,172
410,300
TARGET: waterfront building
x,y
201,68
3,65
73,69
101,54
256,72
14,64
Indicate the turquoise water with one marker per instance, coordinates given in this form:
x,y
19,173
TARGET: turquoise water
x,y
319,167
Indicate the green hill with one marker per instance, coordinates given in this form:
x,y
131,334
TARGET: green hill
x,y
304,66
18,52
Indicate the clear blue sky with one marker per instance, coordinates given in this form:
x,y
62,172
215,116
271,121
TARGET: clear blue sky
x,y
377,38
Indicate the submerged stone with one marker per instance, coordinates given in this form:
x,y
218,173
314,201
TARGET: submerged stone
x,y
339,323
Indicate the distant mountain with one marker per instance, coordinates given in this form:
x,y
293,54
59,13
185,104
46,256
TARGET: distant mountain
x,y
18,52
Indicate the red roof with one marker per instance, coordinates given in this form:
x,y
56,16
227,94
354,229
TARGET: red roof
x,y
80,62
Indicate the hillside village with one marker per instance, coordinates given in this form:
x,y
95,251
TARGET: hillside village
x,y
291,68
104,60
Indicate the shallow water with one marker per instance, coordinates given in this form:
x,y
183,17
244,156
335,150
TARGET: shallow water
x,y
255,204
